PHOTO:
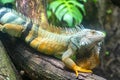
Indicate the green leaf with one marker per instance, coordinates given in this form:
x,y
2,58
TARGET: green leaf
x,y
6,1
49,13
81,6
68,18
61,14
60,11
78,19
76,14
54,5
68,10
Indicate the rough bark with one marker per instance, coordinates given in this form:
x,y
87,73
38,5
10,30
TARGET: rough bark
x,y
39,66
7,69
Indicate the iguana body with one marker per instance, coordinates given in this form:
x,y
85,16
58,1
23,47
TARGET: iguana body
x,y
82,44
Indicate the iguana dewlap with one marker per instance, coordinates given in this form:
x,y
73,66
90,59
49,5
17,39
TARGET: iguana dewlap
x,y
82,44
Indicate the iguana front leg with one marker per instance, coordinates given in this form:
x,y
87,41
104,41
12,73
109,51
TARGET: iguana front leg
x,y
71,64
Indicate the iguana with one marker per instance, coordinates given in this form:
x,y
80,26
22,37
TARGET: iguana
x,y
84,44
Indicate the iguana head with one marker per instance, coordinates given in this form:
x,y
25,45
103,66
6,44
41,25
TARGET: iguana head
x,y
86,40
90,38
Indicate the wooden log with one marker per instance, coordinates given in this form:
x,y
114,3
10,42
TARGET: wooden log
x,y
39,66
7,69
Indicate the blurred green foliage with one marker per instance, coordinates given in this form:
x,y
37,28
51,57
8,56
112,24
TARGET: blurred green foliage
x,y
109,11
66,12
6,1
107,53
95,1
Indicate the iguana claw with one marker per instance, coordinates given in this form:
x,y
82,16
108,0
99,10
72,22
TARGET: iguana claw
x,y
79,69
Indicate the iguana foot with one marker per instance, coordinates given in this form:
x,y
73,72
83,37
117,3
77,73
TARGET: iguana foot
x,y
79,69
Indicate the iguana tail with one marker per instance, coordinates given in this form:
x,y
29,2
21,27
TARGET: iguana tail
x,y
10,16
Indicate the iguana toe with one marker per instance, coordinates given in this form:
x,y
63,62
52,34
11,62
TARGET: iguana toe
x,y
78,69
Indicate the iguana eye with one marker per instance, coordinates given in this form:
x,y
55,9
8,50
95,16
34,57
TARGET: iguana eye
x,y
93,32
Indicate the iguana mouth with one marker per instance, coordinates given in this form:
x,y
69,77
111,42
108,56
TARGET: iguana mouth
x,y
97,45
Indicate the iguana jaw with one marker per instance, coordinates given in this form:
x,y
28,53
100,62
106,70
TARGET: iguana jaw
x,y
91,37
96,40
89,41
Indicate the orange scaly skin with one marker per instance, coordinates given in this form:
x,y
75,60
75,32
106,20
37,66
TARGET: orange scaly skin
x,y
65,46
89,63
46,46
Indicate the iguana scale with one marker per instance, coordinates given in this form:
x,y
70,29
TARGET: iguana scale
x,y
84,44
